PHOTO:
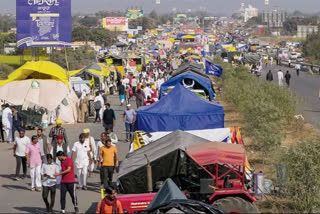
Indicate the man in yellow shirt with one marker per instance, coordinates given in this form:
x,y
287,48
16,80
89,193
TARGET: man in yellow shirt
x,y
110,159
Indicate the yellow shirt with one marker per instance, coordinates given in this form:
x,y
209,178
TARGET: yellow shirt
x,y
108,155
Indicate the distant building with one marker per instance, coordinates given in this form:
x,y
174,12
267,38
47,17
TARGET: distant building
x,y
274,18
250,12
304,30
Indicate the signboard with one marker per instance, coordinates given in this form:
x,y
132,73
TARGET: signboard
x,y
43,23
158,1
115,23
134,14
266,2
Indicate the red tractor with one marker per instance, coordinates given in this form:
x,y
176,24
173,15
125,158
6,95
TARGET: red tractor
x,y
212,172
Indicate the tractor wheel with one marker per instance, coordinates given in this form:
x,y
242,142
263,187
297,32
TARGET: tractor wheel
x,y
235,204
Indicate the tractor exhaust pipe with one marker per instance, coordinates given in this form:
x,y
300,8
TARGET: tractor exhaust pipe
x,y
149,175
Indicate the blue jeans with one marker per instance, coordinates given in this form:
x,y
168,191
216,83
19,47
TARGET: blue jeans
x,y
129,129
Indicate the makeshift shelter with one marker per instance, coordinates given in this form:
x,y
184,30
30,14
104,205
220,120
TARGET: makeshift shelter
x,y
220,135
38,70
97,69
132,172
96,72
191,80
52,95
181,109
190,67
252,58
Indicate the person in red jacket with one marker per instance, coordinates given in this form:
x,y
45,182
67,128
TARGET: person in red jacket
x,y
109,204
148,102
154,95
67,182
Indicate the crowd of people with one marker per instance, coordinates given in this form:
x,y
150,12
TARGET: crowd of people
x,y
52,162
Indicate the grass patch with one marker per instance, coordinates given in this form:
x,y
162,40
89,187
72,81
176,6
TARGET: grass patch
x,y
19,60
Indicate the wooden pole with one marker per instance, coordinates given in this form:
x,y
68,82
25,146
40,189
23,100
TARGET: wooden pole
x,y
67,63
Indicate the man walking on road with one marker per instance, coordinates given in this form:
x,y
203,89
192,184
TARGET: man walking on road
x,y
280,78
58,130
269,76
287,77
49,183
298,67
101,144
7,122
82,159
98,106
109,118
93,149
33,155
17,122
110,159
19,152
129,117
43,142
67,182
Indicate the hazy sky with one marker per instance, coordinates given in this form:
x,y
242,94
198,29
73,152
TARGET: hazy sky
x,y
216,6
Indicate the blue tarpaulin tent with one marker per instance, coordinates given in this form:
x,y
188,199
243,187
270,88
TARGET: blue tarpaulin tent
x,y
181,109
177,80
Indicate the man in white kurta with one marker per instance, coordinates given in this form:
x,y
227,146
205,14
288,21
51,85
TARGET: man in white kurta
x,y
93,149
82,159
100,98
280,78
7,122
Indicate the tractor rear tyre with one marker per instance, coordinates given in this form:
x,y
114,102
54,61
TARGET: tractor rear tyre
x,y
236,204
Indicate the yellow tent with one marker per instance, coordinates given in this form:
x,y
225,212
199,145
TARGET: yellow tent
x,y
229,48
188,37
211,36
38,70
99,69
171,40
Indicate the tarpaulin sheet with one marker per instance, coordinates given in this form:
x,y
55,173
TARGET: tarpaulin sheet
x,y
224,153
181,109
190,67
38,70
169,191
49,95
177,80
218,135
165,158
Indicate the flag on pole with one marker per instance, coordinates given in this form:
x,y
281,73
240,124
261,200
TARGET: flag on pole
x,y
92,83
212,69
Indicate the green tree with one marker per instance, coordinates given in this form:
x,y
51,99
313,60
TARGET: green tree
x,y
6,23
81,33
153,15
5,70
148,23
89,21
254,21
290,26
311,48
102,37
76,58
